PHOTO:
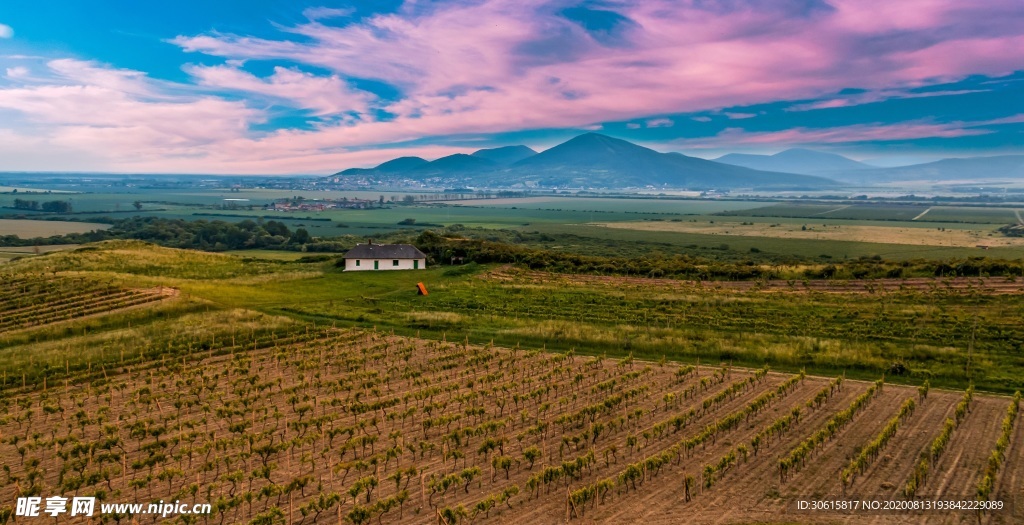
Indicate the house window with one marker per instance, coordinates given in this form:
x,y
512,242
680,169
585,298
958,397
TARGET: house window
x,y
394,263
357,262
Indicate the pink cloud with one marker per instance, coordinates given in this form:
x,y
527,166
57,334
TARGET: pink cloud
x,y
480,45
875,96
500,65
1012,119
326,95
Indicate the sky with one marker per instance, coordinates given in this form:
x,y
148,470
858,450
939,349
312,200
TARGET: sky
x,y
294,87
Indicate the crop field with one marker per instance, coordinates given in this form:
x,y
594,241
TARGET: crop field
x,y
291,392
619,240
920,236
32,302
30,228
353,426
873,212
1000,216
885,212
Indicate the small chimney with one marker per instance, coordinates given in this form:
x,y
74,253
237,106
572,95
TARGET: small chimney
x,y
369,241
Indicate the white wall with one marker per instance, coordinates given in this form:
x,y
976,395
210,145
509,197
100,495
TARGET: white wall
x,y
383,264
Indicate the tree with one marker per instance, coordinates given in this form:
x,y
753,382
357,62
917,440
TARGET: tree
x,y
409,199
24,204
137,204
277,228
301,236
57,206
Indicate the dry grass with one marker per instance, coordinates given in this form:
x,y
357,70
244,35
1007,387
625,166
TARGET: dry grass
x,y
27,229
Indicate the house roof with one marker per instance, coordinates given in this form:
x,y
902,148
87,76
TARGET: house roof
x,y
384,251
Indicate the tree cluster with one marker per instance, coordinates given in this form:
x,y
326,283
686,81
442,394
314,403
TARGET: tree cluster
x,y
200,235
48,206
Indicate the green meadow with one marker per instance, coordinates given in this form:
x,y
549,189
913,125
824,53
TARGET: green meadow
x,y
949,337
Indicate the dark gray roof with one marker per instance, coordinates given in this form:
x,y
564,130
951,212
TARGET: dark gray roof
x,y
384,251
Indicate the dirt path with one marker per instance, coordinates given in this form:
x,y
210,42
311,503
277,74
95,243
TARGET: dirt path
x,y
922,214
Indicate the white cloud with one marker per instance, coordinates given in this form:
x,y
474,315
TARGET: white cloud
x,y
89,73
17,72
6,31
119,116
660,123
701,119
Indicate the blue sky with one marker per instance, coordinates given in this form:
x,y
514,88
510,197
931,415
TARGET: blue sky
x,y
295,87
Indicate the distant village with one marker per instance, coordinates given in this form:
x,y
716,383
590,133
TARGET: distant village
x,y
301,204
304,204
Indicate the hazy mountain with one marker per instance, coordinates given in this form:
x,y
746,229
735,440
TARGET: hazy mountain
x,y
796,160
506,155
591,160
392,166
971,169
598,160
459,162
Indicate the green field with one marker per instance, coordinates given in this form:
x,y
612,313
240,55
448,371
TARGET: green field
x,y
873,212
974,215
572,224
912,334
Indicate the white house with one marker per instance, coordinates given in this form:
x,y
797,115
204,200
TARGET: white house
x,y
384,257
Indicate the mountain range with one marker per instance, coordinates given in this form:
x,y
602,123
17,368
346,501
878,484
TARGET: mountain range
x,y
591,160
844,170
796,160
973,169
